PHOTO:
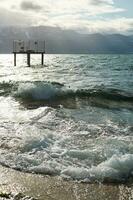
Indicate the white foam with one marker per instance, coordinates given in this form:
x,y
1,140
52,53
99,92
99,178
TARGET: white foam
x,y
38,91
47,143
82,154
40,156
117,168
75,173
42,169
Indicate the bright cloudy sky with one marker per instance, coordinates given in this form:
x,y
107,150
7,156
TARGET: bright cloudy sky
x,y
89,16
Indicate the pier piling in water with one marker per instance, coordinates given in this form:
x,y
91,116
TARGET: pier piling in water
x,y
42,60
28,48
28,59
14,59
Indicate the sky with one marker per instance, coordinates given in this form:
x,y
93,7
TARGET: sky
x,y
87,16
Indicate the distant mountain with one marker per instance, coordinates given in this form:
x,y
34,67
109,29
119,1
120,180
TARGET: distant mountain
x,y
66,41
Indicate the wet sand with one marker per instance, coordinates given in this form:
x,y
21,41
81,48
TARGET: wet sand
x,y
54,188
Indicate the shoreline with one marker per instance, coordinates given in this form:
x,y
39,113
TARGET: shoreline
x,y
55,188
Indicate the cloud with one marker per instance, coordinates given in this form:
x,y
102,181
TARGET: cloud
x,y
81,15
64,7
9,18
28,5
109,26
101,2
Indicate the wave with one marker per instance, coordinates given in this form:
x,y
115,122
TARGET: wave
x,y
116,169
47,90
6,88
56,94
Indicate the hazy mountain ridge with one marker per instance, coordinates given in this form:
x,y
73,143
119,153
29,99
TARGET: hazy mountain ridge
x,y
66,41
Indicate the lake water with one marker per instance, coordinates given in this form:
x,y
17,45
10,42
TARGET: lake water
x,y
71,118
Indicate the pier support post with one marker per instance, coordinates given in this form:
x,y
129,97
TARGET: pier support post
x,y
14,59
28,59
42,60
28,48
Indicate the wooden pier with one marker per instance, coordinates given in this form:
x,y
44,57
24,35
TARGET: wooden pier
x,y
28,48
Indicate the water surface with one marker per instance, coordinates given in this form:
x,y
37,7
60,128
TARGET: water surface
x,y
72,117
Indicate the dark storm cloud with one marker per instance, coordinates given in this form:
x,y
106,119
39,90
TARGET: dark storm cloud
x,y
28,5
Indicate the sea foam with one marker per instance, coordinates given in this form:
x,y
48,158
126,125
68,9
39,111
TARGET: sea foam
x,y
117,168
38,91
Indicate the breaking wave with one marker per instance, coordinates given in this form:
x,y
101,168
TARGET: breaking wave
x,y
36,94
115,169
49,90
45,91
118,168
55,94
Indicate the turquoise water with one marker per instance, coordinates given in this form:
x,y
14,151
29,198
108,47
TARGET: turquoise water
x,y
71,118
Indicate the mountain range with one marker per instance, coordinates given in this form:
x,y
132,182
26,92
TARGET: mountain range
x,y
59,41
